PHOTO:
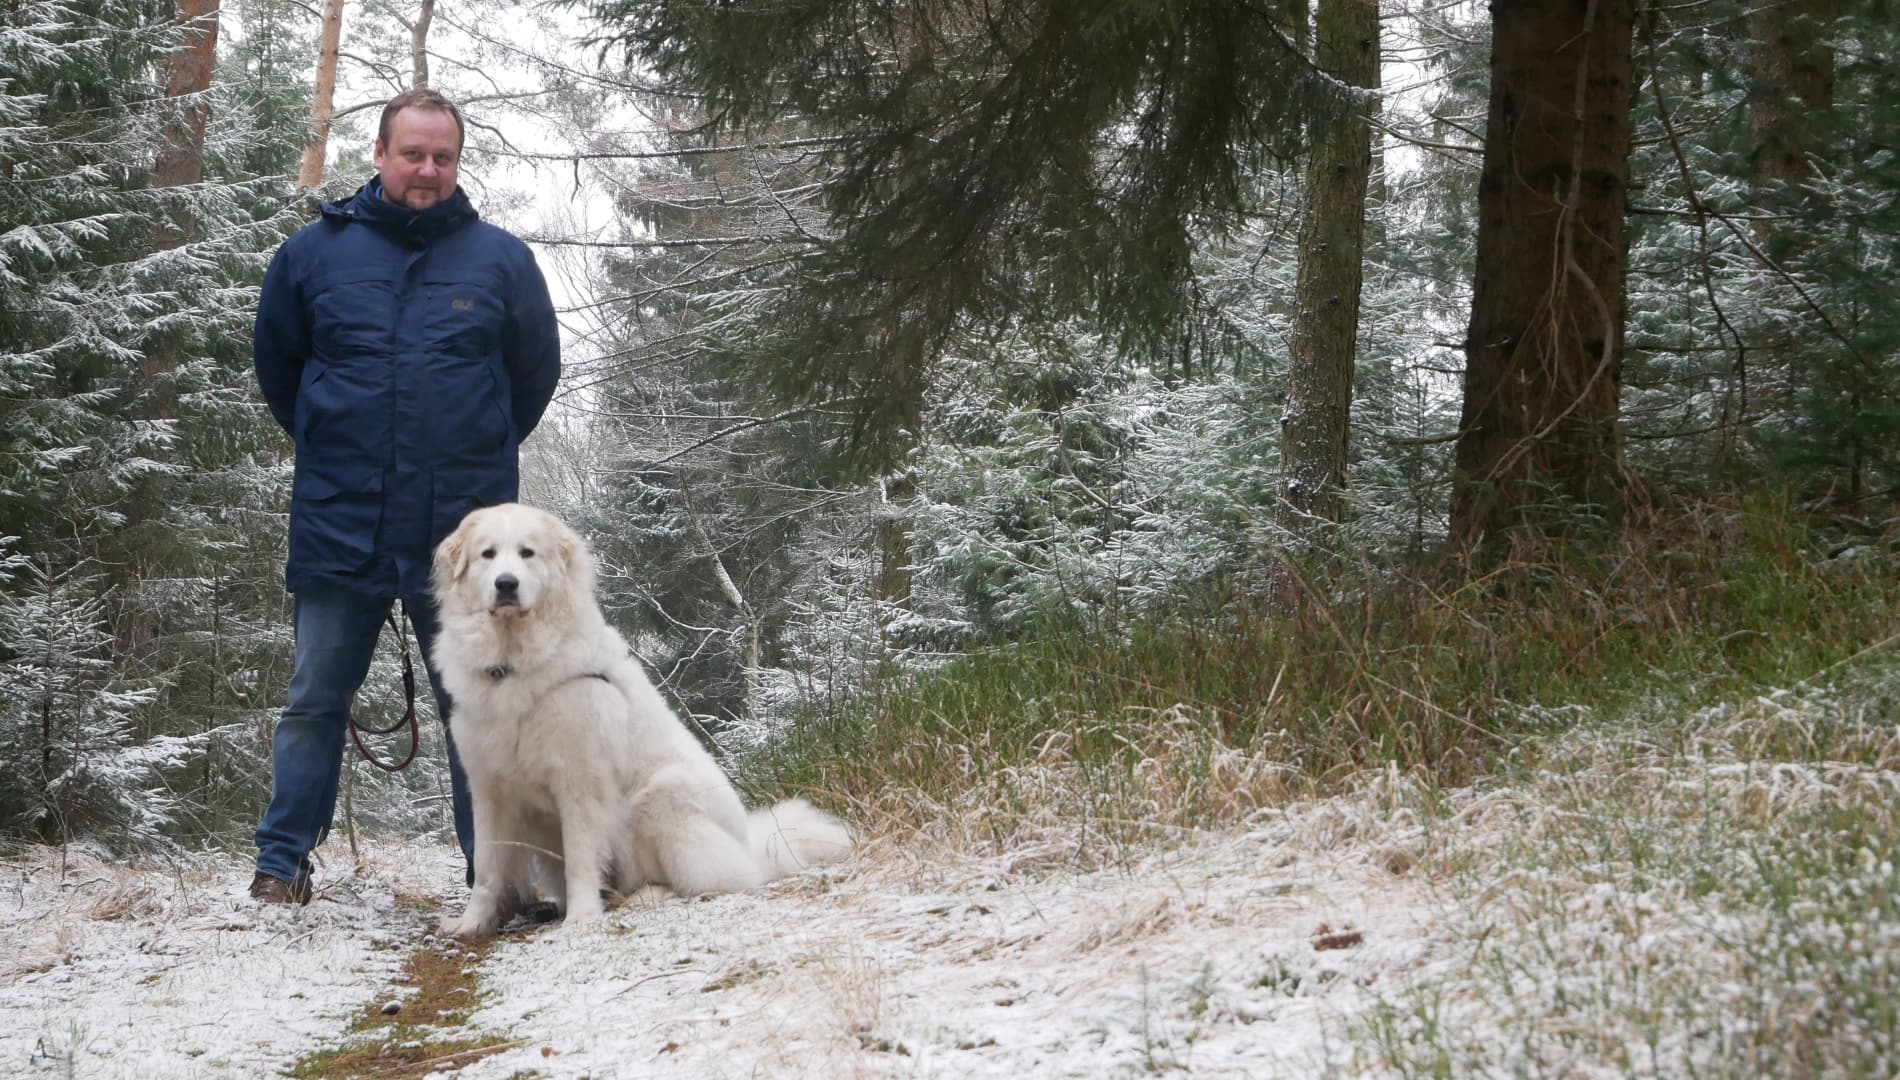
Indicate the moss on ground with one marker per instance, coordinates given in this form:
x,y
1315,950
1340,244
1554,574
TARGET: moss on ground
x,y
438,992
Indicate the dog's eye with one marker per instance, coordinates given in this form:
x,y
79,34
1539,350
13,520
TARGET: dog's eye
x,y
527,553
488,553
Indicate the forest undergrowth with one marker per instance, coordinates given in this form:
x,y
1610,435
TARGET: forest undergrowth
x,y
1441,671
1652,782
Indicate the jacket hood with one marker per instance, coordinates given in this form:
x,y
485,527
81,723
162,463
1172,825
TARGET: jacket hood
x,y
369,206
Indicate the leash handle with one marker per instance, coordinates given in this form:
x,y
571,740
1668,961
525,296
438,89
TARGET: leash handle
x,y
415,743
409,715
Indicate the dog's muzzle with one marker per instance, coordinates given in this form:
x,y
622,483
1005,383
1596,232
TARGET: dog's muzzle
x,y
507,593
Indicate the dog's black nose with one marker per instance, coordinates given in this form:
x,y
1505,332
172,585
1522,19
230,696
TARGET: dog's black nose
x,y
505,585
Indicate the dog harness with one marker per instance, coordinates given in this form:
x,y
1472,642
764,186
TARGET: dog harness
x,y
502,671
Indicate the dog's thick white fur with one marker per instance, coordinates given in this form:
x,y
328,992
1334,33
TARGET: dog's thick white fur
x,y
582,776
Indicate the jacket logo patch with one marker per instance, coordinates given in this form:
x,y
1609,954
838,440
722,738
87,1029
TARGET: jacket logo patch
x,y
460,304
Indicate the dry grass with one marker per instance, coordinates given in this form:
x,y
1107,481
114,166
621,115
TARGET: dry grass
x,y
1130,735
1712,893
1661,864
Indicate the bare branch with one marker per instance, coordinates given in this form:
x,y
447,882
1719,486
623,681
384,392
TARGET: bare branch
x,y
747,425
708,241
683,152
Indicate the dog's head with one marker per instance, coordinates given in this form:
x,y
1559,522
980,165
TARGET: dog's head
x,y
510,561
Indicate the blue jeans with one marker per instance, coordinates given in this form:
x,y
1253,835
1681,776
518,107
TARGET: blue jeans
x,y
336,632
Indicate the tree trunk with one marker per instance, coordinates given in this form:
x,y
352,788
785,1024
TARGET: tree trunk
x,y
893,580
181,142
313,152
179,162
1794,82
1315,426
419,46
753,623
895,571
1544,348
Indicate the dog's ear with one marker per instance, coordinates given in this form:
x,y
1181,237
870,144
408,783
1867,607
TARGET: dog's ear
x,y
569,545
451,555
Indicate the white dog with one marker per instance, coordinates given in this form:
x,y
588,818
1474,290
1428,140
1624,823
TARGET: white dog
x,y
582,776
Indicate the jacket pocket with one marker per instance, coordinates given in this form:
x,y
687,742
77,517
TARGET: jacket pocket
x,y
335,513
462,314
465,407
353,312
459,491
342,410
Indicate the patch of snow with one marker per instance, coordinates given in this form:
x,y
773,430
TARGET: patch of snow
x,y
154,974
899,963
1630,903
1200,959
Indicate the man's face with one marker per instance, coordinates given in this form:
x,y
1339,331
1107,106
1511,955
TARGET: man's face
x,y
418,162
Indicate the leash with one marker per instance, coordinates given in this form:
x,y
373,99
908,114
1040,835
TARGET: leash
x,y
409,692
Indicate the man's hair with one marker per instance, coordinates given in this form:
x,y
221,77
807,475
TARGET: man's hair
x,y
420,98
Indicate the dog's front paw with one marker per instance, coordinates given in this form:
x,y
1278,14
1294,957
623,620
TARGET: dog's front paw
x,y
466,925
582,914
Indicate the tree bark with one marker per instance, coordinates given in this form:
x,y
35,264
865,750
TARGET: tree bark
x,y
419,46
895,570
1794,82
311,174
893,582
178,162
1314,428
1544,349
181,142
728,588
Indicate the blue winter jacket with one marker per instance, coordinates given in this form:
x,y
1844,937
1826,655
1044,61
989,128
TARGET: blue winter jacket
x,y
407,354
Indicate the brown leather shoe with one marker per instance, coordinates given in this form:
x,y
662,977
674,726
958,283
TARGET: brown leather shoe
x,y
269,890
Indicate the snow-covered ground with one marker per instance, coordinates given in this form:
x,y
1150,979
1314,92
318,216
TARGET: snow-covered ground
x,y
1713,894
108,971
1235,956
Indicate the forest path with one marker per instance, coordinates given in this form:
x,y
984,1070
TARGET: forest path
x,y
173,971
1239,954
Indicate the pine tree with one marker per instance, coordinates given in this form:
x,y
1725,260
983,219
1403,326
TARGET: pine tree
x,y
1036,157
262,99
701,500
1315,429
103,272
75,766
1841,435
1758,351
1539,436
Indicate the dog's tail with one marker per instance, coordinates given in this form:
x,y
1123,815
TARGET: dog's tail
x,y
794,834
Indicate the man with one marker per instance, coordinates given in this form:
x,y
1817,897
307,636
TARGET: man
x,y
407,347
